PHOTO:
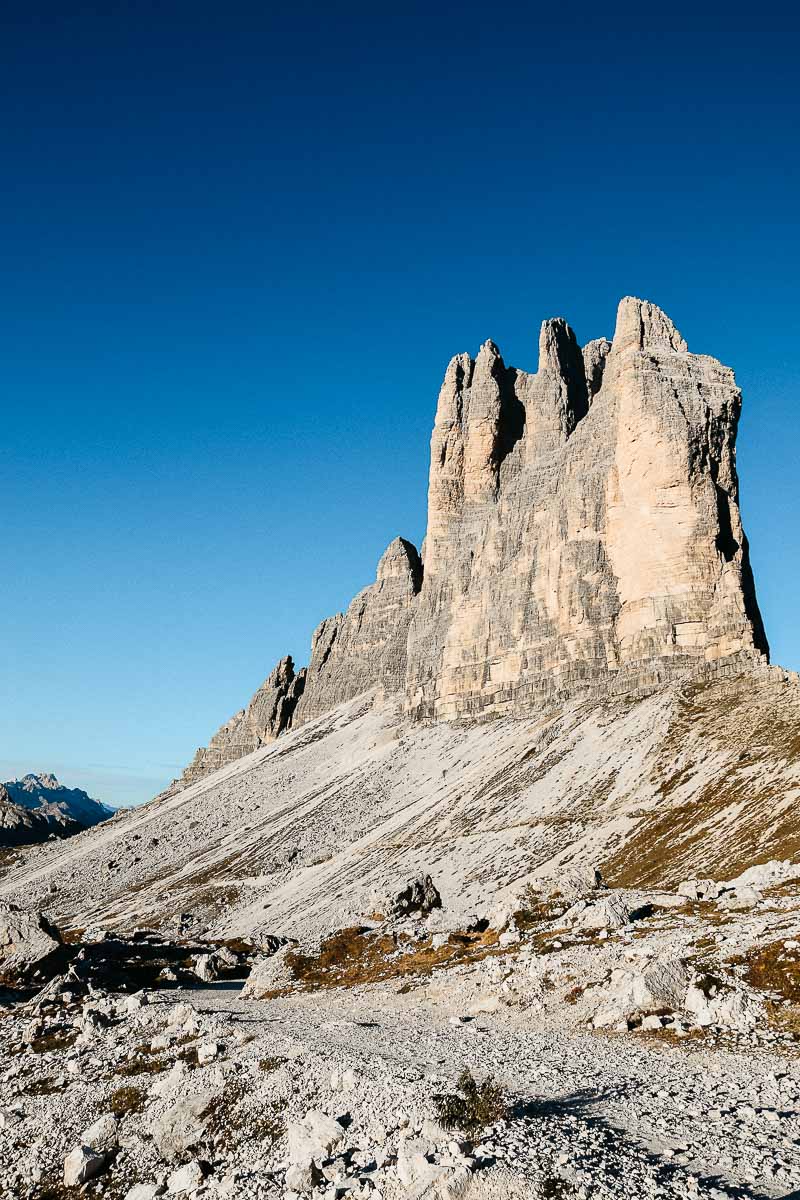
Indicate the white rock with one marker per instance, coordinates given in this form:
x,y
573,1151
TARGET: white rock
x,y
610,912
699,889
740,899
313,1137
186,1178
82,1164
102,1134
209,1051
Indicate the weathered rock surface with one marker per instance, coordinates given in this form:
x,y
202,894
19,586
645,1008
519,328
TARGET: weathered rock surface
x,y
269,713
583,539
365,647
182,1126
583,524
26,938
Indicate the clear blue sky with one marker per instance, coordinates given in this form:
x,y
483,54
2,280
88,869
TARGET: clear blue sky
x,y
239,246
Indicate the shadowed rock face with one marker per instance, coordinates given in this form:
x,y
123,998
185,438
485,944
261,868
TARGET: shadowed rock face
x,y
269,713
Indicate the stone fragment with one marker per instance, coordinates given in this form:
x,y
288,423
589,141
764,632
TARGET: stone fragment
x,y
699,889
102,1133
417,897
302,1178
270,975
142,1191
82,1164
739,899
313,1137
612,911
209,1051
183,1126
185,1178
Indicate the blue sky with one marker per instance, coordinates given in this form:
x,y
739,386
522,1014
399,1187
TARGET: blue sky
x,y
239,247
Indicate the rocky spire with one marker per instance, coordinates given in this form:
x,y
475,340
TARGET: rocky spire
x,y
365,648
611,556
584,538
268,714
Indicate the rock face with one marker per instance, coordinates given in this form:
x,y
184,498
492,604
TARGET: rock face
x,y
269,713
366,646
584,540
583,524
37,807
26,938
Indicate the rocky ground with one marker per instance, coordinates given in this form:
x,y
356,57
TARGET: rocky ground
x,y
641,1044
297,837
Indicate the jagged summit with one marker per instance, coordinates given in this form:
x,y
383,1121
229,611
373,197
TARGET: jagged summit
x,y
583,538
39,806
268,714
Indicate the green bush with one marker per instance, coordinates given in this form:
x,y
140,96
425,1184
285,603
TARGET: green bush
x,y
473,1107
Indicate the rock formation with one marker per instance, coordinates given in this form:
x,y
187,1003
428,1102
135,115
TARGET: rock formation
x,y
38,807
365,647
269,713
584,538
583,524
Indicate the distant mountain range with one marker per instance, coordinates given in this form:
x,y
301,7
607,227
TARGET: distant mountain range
x,y
37,807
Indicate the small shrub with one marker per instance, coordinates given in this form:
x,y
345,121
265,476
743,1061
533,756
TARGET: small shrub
x,y
271,1063
125,1100
473,1107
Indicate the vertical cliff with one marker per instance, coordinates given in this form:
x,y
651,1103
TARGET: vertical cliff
x,y
583,523
583,537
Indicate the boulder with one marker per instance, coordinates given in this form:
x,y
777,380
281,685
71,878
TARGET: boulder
x,y
767,874
728,1006
699,889
215,965
26,939
185,1179
209,1051
612,911
102,1134
302,1179
270,975
661,984
574,883
417,898
204,966
739,899
414,1169
313,1137
183,1126
82,1164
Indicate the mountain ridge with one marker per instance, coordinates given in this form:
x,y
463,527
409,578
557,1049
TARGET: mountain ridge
x,y
583,539
37,806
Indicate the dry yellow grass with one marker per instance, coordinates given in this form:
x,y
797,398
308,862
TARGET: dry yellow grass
x,y
358,956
